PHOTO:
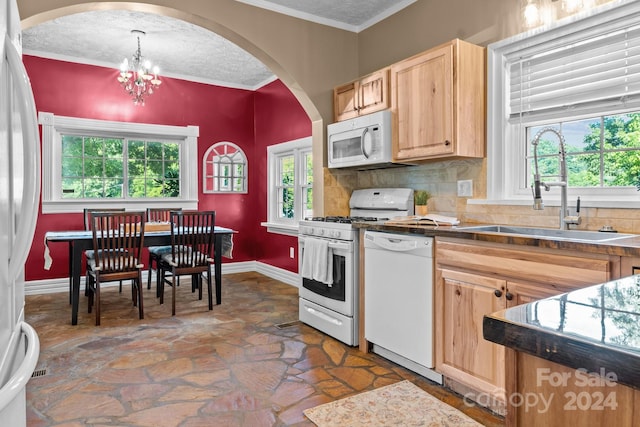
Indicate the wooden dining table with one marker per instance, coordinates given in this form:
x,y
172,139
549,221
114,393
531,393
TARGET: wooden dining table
x,y
80,241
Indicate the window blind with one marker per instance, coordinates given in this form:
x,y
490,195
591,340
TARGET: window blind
x,y
594,71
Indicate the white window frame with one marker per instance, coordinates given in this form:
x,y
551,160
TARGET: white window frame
x,y
54,126
208,181
505,144
298,149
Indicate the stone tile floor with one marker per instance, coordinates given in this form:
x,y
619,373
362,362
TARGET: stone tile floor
x,y
246,363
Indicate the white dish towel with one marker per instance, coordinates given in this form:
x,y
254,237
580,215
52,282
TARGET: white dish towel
x,y
317,260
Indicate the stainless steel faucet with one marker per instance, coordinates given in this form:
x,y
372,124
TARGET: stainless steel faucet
x,y
565,218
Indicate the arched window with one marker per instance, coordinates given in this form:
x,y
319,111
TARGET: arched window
x,y
224,169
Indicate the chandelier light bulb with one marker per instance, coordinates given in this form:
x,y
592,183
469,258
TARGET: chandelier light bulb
x,y
135,75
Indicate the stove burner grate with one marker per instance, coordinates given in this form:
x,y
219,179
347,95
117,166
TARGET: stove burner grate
x,y
344,219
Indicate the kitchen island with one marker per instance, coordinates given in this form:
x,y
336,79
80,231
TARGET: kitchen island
x,y
578,355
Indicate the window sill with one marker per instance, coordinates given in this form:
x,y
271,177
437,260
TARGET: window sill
x,y
286,229
584,203
68,206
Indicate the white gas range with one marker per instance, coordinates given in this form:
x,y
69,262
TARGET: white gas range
x,y
329,256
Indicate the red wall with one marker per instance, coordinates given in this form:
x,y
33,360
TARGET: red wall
x,y
277,119
222,114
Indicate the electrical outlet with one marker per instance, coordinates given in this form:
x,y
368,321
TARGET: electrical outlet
x,y
465,188
292,253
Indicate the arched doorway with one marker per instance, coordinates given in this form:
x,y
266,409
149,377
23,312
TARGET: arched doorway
x,y
244,34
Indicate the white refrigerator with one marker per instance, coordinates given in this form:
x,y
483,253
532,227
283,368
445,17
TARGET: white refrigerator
x,y
19,198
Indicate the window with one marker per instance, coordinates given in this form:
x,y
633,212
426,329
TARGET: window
x,y
601,152
581,77
113,164
95,167
224,169
290,192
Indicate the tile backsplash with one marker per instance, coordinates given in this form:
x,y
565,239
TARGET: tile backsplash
x,y
440,179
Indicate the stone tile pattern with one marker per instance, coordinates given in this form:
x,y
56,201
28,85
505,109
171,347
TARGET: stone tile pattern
x,y
232,366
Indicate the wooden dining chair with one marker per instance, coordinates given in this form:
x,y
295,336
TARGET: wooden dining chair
x,y
87,214
191,253
155,252
118,239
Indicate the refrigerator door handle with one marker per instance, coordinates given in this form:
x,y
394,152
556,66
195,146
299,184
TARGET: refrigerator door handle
x,y
16,383
31,186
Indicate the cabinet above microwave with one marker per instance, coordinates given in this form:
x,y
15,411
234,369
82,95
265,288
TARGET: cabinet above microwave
x,y
361,97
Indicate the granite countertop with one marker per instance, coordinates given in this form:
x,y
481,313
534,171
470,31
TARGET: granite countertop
x,y
593,328
621,247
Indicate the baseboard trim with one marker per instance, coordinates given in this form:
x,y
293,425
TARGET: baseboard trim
x,y
61,284
277,273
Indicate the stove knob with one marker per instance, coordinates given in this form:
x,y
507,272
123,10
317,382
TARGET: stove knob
x,y
321,232
335,234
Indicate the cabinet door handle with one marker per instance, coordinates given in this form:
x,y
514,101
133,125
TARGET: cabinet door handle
x,y
458,292
497,293
508,296
447,142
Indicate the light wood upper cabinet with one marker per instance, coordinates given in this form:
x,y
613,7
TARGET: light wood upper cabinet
x,y
345,101
438,103
363,96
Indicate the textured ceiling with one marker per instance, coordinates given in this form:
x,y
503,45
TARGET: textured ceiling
x,y
184,50
352,15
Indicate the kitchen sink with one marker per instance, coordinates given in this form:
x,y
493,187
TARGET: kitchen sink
x,y
550,233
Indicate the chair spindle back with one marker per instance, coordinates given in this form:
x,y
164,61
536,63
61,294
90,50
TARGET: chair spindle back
x,y
192,238
118,238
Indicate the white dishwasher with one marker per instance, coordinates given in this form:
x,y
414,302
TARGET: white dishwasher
x,y
398,299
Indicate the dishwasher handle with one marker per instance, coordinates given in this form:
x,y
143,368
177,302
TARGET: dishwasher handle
x,y
392,243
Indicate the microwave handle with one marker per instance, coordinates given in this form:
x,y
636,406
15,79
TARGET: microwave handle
x,y
363,148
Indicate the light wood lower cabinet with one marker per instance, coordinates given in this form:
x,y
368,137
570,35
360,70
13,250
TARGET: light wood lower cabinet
x,y
478,278
629,266
465,356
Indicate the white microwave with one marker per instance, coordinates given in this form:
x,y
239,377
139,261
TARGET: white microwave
x,y
362,141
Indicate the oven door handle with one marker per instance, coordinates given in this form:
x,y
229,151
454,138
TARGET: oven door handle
x,y
341,246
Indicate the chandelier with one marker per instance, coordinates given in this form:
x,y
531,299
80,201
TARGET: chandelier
x,y
137,77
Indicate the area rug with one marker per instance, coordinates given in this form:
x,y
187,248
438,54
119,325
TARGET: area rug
x,y
400,404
